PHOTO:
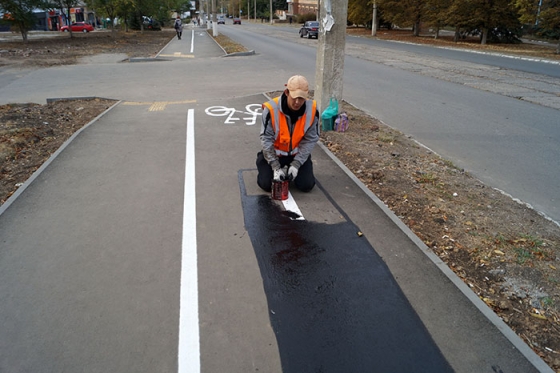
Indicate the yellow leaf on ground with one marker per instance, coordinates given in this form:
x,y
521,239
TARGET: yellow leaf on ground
x,y
499,252
538,316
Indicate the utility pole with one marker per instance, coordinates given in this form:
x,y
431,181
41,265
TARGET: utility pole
x,y
214,19
271,12
255,11
329,68
374,20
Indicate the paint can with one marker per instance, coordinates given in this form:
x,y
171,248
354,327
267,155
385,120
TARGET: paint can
x,y
280,190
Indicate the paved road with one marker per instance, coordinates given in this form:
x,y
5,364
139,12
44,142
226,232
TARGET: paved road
x,y
145,246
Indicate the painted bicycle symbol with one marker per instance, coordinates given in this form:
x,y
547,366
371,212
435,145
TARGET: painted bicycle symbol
x,y
233,115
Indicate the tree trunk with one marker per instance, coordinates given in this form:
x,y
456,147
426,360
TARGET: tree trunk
x,y
23,30
558,47
437,33
484,36
69,23
417,28
24,35
456,36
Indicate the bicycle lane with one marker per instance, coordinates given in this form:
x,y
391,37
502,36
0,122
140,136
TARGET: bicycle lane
x,y
89,276
331,302
344,289
195,43
91,263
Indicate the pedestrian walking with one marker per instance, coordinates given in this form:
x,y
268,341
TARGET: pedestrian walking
x,y
289,132
179,27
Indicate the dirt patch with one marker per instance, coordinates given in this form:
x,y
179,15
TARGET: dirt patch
x,y
63,50
30,133
507,253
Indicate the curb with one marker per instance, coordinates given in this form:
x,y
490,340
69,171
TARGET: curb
x,y
147,59
250,53
53,156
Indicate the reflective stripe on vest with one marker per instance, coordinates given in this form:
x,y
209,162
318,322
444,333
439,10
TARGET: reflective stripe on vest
x,y
284,142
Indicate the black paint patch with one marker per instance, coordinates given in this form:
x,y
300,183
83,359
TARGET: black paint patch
x,y
334,304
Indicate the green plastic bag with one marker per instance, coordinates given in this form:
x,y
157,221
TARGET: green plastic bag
x,y
329,114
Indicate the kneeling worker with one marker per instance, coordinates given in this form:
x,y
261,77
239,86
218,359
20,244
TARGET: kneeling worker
x,y
289,132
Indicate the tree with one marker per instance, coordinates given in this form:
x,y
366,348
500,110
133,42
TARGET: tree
x,y
549,18
106,8
404,12
360,12
19,13
496,17
437,14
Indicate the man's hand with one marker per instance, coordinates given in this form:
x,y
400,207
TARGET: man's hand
x,y
292,171
279,175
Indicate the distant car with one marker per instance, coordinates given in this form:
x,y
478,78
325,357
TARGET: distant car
x,y
310,29
221,21
237,21
78,27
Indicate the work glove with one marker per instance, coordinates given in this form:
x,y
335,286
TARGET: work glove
x,y
292,171
279,175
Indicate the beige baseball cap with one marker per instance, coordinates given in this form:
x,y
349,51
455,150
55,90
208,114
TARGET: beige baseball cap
x,y
298,86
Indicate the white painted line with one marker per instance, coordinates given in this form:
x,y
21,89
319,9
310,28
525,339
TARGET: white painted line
x,y
192,41
189,341
291,205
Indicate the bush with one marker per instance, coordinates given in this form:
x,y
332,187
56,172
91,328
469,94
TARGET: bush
x,y
504,35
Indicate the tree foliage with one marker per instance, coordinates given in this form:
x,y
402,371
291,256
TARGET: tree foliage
x,y
19,14
493,20
360,12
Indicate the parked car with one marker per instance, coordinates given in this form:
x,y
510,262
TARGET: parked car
x,y
221,21
237,21
78,27
310,29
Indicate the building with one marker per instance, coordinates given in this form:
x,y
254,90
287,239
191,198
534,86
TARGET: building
x,y
297,7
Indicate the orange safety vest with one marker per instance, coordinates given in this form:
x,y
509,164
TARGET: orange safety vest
x,y
286,143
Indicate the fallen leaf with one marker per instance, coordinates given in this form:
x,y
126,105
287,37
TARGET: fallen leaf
x,y
499,252
538,316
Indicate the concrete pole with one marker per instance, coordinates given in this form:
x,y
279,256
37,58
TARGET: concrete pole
x,y
271,16
208,15
255,10
214,19
374,20
329,68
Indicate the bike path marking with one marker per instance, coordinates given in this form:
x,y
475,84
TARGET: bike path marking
x,y
249,116
189,332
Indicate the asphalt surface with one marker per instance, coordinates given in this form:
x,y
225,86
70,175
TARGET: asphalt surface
x,y
146,246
